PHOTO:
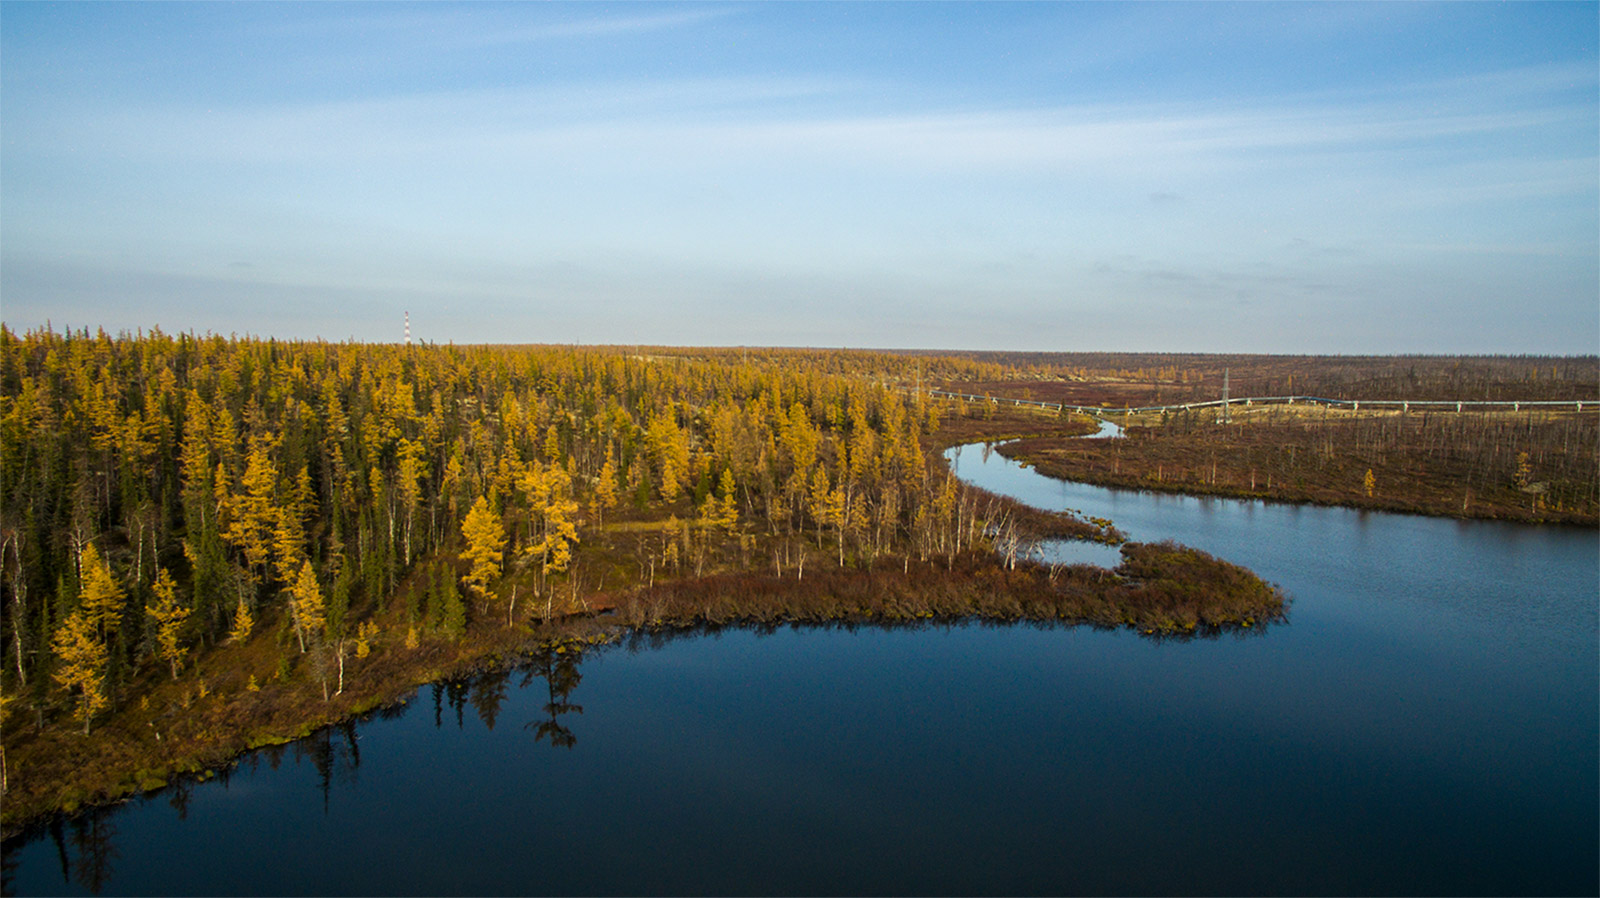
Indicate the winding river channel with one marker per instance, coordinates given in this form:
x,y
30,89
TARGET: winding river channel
x,y
1427,721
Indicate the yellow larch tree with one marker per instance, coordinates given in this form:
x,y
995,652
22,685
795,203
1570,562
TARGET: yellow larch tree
x,y
799,438
254,517
102,597
549,492
82,661
306,605
288,544
243,622
194,454
723,513
825,502
408,487
670,447
605,487
170,615
486,542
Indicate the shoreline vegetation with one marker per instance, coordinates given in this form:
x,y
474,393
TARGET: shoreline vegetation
x,y
1161,590
1436,465
210,545
1533,465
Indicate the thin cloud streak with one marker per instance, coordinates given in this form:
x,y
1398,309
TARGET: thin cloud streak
x,y
706,170
456,30
602,26
686,121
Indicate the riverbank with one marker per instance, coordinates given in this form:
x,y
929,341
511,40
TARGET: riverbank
x,y
1445,466
242,695
1253,465
1403,630
241,699
1159,589
1529,465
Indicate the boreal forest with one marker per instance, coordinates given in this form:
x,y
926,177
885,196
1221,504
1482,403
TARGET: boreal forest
x,y
212,542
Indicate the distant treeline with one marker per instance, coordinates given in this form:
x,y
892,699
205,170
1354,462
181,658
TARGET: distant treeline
x,y
1146,378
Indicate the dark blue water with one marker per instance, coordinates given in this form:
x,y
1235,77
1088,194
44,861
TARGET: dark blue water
x,y
1427,722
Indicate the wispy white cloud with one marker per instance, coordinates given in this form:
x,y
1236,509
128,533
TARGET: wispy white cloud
x,y
571,172
597,26
380,193
457,27
755,121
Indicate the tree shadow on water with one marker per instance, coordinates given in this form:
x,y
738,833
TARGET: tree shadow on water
x,y
559,668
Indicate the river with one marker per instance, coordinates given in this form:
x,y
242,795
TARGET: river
x,y
1428,721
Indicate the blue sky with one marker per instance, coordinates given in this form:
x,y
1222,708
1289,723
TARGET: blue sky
x,y
1344,177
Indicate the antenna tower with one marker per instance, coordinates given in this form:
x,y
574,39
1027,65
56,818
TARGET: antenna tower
x,y
408,328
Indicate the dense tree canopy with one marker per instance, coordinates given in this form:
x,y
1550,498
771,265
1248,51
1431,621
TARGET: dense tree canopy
x,y
162,494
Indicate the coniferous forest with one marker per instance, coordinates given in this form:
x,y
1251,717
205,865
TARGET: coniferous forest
x,y
164,494
210,542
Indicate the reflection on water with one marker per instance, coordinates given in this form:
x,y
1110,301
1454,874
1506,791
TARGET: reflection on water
x,y
332,759
1078,551
1429,723
84,847
486,692
86,855
1050,551
559,669
92,849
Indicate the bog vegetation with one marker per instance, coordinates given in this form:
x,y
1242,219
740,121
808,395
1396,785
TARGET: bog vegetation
x,y
1533,463
1128,378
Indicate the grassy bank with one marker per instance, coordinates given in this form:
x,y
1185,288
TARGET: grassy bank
x,y
978,422
244,696
1159,588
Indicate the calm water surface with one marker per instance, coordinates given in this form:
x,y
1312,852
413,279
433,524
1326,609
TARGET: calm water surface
x,y
1425,723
